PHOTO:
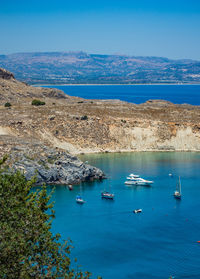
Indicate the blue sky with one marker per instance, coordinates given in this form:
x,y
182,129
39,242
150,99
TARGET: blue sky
x,y
142,27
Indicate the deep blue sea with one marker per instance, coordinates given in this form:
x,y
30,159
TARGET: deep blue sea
x,y
177,94
111,241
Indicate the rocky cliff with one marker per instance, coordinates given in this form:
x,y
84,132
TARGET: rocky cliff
x,y
50,165
75,125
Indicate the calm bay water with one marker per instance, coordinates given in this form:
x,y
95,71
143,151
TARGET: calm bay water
x,y
111,241
136,93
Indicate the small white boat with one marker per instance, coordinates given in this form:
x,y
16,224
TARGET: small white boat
x,y
177,193
107,195
137,210
79,200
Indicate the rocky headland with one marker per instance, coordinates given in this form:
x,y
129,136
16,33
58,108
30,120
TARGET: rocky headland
x,y
50,165
71,125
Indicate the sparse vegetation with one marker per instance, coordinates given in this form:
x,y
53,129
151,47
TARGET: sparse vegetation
x,y
51,160
29,157
43,163
84,117
7,105
37,102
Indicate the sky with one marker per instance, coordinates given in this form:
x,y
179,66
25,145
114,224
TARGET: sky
x,y
132,27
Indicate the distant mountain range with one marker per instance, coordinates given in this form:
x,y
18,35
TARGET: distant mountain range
x,y
83,68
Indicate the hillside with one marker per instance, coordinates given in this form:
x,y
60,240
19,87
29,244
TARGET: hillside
x,y
83,68
78,125
26,149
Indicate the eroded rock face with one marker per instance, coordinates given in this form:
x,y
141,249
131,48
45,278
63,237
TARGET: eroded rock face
x,y
111,127
51,166
6,74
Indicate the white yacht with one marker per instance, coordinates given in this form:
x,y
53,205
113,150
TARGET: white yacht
x,y
138,181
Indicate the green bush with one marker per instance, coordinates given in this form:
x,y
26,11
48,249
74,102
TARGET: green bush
x,y
36,102
84,117
7,105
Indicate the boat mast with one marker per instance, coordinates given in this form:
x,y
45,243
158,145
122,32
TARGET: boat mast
x,y
80,190
179,185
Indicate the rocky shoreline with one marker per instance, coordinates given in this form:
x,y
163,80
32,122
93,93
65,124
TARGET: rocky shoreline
x,y
51,166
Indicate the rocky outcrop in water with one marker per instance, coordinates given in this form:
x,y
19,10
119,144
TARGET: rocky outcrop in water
x,y
51,166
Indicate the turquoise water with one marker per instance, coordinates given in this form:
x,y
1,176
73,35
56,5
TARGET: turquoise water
x,y
177,94
111,241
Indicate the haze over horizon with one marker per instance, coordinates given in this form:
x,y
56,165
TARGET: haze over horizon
x,y
139,28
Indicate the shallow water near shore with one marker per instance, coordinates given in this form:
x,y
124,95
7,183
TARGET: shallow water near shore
x,y
111,241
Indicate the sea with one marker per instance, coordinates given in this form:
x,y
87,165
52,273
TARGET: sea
x,y
137,94
111,241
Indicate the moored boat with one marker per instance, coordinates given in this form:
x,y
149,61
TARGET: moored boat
x,y
107,195
177,193
80,200
139,182
137,210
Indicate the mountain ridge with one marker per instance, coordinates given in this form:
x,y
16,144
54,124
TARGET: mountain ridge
x,y
83,68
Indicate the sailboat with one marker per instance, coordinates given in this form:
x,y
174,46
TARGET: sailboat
x,y
79,198
107,195
177,193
